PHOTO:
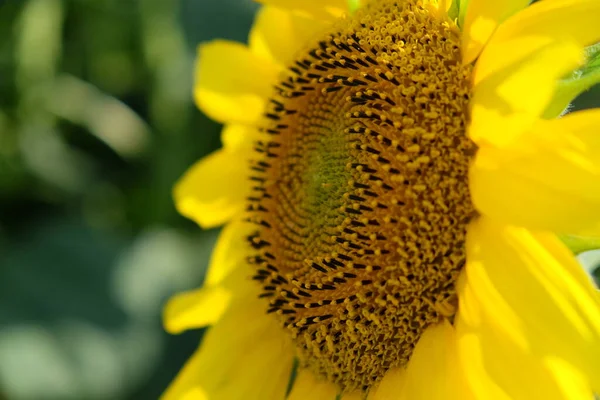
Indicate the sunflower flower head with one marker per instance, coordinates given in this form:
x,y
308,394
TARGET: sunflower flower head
x,y
361,231
394,189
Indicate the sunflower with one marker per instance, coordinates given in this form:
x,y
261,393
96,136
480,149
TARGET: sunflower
x,y
393,178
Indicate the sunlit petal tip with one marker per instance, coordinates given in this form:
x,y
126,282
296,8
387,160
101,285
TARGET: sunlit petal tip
x,y
195,309
213,190
232,83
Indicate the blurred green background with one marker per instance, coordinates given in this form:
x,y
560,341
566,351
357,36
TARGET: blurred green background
x,y
96,125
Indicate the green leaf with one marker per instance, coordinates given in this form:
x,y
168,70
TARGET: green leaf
x,y
353,5
580,244
579,81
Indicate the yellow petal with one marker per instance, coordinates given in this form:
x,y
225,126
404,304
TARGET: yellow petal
x,y
481,20
236,137
432,372
205,306
278,34
527,315
442,9
245,355
537,26
232,84
230,252
497,369
307,386
470,355
571,383
549,179
328,10
213,190
390,386
445,5
195,309
355,395
508,102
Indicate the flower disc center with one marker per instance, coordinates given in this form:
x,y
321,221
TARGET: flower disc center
x,y
361,197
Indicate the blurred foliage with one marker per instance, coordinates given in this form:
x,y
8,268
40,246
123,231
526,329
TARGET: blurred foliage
x,y
96,125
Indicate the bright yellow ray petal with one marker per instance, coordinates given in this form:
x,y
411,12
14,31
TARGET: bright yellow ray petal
x,y
307,386
279,35
481,20
445,5
235,364
245,355
195,309
213,190
205,306
571,383
232,84
497,369
470,356
507,103
549,179
230,252
537,26
432,372
527,314
235,136
390,386
185,386
327,10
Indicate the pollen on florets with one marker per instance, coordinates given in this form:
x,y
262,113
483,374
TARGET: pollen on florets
x,y
361,198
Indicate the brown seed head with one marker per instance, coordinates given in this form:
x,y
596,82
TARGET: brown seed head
x,y
361,196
